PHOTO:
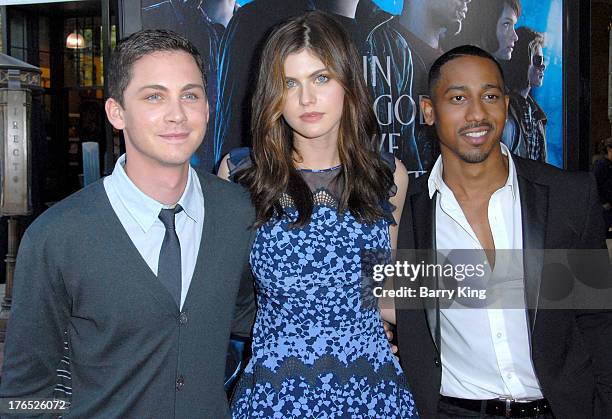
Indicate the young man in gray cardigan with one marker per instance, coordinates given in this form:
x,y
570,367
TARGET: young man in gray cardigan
x,y
143,268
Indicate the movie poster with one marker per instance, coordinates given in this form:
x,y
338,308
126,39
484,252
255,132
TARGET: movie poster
x,y
398,41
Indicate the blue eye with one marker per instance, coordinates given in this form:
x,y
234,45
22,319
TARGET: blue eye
x,y
290,83
154,97
190,96
321,78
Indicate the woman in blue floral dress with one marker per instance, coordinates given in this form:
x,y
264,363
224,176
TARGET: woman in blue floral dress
x,y
323,194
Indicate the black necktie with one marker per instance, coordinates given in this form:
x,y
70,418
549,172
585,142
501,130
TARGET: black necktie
x,y
169,265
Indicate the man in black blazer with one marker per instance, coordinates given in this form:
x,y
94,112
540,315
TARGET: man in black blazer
x,y
526,362
142,270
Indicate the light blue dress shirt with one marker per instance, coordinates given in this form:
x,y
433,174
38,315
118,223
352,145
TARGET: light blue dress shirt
x,y
139,212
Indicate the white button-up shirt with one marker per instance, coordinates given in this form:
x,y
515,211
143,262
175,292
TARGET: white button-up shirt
x,y
485,352
139,213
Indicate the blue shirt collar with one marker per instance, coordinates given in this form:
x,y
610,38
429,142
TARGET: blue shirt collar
x,y
145,209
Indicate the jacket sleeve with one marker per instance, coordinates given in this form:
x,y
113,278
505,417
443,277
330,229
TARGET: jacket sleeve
x,y
39,315
596,324
244,312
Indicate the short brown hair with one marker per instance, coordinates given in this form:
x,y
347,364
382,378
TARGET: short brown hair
x,y
137,45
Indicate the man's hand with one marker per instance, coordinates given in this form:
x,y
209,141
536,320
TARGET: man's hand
x,y
389,332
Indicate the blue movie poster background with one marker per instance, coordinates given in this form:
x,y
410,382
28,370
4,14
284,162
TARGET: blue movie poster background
x,y
547,17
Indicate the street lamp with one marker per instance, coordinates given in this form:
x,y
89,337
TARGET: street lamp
x,y
17,80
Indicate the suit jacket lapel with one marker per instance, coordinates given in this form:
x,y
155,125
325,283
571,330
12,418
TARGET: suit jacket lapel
x,y
423,220
424,227
534,210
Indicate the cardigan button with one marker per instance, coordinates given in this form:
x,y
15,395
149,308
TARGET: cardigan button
x,y
183,318
180,382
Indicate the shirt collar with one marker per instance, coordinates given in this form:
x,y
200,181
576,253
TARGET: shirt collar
x,y
189,200
144,209
436,182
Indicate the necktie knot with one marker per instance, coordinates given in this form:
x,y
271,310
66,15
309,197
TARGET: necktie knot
x,y
166,215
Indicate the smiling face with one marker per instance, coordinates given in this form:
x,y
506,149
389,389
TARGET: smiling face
x,y
164,112
506,35
468,107
536,72
314,99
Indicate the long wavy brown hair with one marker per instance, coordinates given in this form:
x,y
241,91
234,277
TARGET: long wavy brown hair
x,y
366,179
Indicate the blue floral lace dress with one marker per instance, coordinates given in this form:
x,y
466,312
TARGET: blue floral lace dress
x,y
317,352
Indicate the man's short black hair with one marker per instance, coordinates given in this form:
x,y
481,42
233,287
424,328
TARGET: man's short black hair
x,y
458,52
141,43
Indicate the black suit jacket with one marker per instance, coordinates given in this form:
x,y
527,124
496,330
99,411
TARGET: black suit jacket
x,y
571,349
